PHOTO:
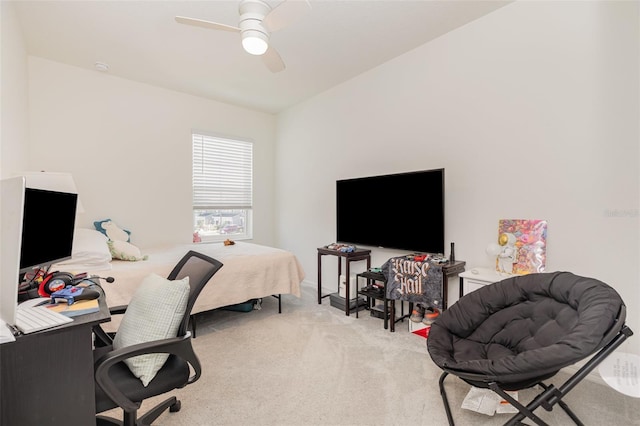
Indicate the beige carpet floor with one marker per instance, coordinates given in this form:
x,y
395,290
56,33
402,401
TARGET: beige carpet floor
x,y
312,365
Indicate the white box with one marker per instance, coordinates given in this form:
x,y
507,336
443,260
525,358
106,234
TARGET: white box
x,y
342,290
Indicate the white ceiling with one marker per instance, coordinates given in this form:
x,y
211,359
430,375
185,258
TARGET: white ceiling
x,y
141,41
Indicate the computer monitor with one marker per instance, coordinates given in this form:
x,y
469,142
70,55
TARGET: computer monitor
x,y
36,230
48,222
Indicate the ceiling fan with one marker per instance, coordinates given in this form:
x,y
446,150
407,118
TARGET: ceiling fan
x,y
257,21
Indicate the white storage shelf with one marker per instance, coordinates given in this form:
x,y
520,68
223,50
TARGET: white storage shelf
x,y
475,278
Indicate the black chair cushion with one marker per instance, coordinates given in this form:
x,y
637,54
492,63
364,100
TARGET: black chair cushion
x,y
173,374
524,329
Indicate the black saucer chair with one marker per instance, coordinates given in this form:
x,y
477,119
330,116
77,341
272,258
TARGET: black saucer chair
x,y
117,386
517,333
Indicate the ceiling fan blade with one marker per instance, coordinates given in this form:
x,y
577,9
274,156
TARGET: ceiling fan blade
x,y
272,60
286,13
206,24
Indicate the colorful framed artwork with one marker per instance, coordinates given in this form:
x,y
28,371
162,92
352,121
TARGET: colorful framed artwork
x,y
524,246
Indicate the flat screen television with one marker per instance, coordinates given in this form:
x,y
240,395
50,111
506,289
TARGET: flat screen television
x,y
402,211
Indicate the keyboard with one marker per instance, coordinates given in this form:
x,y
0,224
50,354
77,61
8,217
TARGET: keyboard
x,y
30,320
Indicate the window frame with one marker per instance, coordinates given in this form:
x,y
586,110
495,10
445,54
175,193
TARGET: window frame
x,y
240,186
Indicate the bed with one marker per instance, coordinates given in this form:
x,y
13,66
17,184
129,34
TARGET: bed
x,y
250,271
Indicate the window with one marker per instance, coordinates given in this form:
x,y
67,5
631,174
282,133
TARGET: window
x,y
222,188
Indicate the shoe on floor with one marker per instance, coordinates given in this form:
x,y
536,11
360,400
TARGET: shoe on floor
x,y
417,314
430,316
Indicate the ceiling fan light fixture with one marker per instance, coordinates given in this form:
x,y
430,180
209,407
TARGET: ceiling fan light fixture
x,y
257,20
255,42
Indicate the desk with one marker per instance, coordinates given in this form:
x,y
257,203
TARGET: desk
x,y
358,254
47,377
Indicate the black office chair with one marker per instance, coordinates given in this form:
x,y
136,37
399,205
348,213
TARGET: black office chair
x,y
116,386
519,332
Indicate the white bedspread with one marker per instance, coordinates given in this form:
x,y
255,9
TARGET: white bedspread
x,y
250,271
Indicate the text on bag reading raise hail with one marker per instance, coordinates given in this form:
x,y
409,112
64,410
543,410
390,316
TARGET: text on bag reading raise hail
x,y
410,274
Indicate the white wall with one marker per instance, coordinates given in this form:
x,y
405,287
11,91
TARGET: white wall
x,y
533,112
13,93
128,146
13,96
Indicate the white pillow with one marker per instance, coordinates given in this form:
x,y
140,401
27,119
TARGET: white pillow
x,y
90,251
154,313
125,251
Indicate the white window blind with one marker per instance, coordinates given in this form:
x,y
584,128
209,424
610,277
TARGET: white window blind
x,y
222,173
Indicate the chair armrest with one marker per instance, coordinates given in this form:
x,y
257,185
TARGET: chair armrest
x,y
178,346
118,310
102,338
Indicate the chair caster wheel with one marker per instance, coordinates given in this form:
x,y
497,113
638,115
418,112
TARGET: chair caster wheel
x,y
174,408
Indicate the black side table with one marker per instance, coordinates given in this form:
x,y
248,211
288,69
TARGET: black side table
x,y
448,270
354,256
389,305
372,294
